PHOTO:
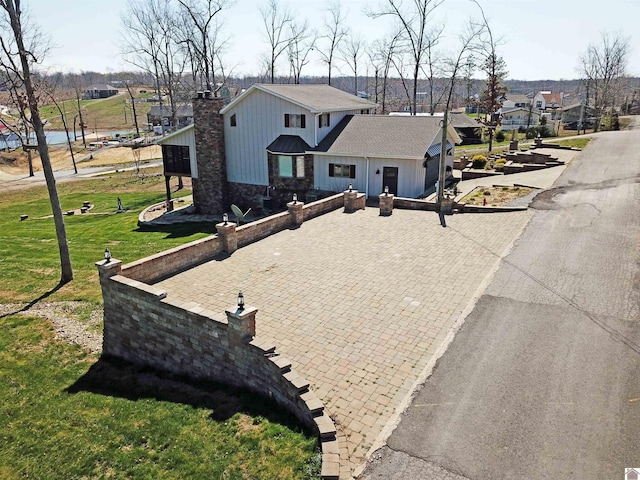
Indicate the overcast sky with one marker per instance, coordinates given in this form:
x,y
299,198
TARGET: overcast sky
x,y
542,39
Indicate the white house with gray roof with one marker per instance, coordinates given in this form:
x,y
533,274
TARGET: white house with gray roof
x,y
312,140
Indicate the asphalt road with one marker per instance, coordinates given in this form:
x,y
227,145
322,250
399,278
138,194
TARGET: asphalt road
x,y
543,379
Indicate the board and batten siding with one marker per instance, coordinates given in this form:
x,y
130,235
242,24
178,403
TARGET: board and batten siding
x,y
186,138
259,121
410,175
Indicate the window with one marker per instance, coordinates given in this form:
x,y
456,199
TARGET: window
x,y
292,120
232,120
539,104
176,159
285,166
324,120
300,166
340,170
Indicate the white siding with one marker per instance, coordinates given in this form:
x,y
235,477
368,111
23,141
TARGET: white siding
x,y
187,138
259,120
410,175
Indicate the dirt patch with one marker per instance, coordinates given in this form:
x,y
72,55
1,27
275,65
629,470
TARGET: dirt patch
x,y
496,196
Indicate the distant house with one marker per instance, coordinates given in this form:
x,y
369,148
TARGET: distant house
x,y
573,115
547,102
519,118
100,91
468,128
514,100
275,140
162,116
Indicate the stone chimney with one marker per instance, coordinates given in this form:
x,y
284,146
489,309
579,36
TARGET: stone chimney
x,y
210,188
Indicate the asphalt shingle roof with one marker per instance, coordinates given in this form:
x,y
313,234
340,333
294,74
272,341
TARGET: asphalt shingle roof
x,y
381,136
319,98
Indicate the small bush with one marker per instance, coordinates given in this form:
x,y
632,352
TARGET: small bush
x,y
531,133
479,161
500,136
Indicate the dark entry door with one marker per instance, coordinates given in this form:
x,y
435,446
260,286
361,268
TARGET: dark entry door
x,y
390,179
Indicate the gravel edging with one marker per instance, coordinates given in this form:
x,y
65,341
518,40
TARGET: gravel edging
x,y
61,315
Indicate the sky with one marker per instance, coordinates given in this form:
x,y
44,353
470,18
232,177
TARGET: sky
x,y
540,39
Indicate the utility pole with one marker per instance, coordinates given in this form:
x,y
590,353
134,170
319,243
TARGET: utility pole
x,y
443,160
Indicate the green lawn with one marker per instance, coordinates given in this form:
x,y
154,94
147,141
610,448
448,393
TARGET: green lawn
x,y
574,142
29,259
65,413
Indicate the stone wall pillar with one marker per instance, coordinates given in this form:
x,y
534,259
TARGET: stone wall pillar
x,y
210,188
228,236
353,201
242,325
296,212
107,269
386,204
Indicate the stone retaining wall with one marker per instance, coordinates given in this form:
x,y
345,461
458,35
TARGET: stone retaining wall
x,y
144,326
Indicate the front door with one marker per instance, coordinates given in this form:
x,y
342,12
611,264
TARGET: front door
x,y
390,179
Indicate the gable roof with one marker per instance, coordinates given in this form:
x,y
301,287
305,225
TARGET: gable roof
x,y
316,98
462,120
517,98
384,136
171,135
552,98
101,86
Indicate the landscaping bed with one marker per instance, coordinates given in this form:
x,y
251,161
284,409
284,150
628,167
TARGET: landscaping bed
x,y
498,196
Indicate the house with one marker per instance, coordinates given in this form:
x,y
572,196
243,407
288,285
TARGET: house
x,y
572,115
519,118
514,100
631,474
100,91
161,116
545,101
275,140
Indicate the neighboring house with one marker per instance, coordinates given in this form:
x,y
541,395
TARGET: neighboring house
x,y
468,128
100,91
9,140
514,100
517,118
545,102
162,117
276,140
573,114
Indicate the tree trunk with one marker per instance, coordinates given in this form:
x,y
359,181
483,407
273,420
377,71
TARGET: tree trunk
x,y
63,246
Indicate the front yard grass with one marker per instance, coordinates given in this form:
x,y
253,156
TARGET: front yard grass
x,y
65,413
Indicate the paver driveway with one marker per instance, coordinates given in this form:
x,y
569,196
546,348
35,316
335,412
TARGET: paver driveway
x,y
359,303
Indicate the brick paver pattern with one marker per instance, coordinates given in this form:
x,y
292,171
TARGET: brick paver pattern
x,y
359,303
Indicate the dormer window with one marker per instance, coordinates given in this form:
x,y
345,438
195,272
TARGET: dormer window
x,y
294,120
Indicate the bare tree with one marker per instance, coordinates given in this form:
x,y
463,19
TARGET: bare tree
x,y
495,68
20,126
277,23
17,59
604,67
352,50
129,81
301,46
336,32
201,18
149,43
416,34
